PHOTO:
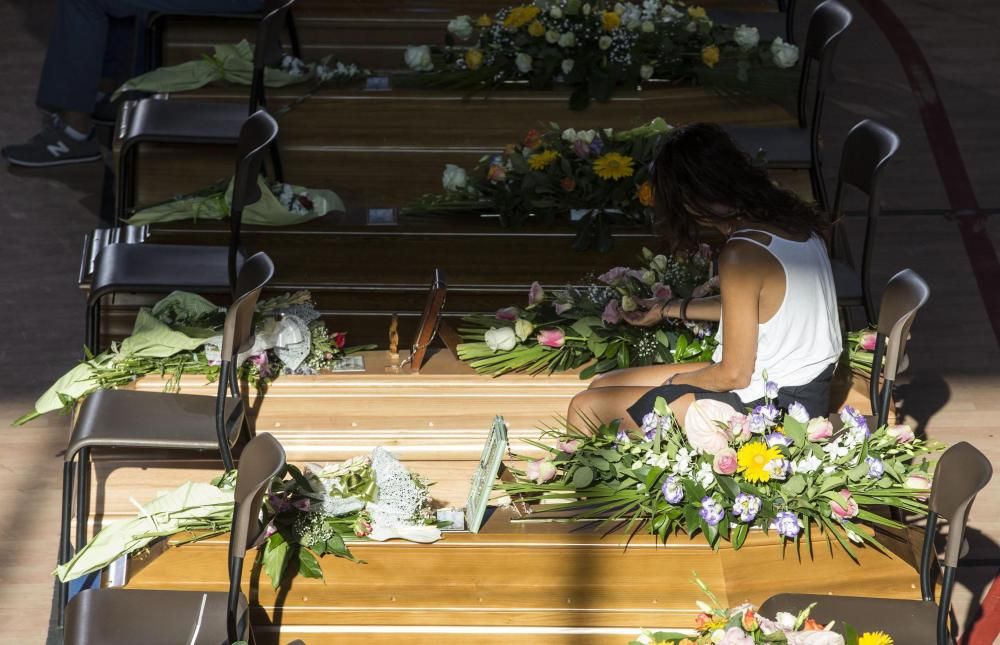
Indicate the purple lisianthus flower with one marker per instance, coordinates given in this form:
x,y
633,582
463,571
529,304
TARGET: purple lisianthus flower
x,y
777,439
778,468
596,146
768,412
612,314
651,424
263,366
672,490
875,467
536,295
613,276
798,412
278,502
787,524
746,507
711,511
562,307
757,422
622,436
507,313
854,419
770,390
301,504
581,148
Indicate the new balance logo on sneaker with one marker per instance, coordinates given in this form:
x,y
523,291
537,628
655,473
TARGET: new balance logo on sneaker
x,y
58,149
54,146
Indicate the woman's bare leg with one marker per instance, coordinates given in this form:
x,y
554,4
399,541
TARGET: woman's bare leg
x,y
605,404
646,377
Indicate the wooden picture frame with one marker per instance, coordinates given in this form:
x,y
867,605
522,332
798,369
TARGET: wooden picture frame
x,y
429,321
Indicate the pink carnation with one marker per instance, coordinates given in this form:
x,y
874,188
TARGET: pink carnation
x,y
552,338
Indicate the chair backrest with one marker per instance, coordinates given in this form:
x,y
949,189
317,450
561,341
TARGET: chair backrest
x,y
868,148
827,24
237,336
961,472
904,295
256,135
262,460
267,48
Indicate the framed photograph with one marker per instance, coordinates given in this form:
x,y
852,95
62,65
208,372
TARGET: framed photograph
x,y
485,474
429,321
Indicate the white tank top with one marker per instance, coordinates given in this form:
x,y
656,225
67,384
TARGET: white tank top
x,y
803,337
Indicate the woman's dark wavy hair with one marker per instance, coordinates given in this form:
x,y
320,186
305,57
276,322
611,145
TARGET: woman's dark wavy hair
x,y
698,166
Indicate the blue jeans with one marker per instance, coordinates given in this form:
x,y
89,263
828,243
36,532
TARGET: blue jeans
x,y
91,39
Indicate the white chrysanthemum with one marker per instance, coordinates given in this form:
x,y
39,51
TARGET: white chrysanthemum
x,y
746,37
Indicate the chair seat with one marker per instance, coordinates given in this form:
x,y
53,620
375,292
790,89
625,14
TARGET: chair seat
x,y
847,281
783,147
913,622
161,268
150,617
770,24
133,419
158,120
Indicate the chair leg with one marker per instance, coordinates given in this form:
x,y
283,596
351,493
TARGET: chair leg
x,y
92,336
293,35
279,171
819,190
65,549
82,497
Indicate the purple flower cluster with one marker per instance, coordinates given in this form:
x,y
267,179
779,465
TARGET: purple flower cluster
x,y
672,490
778,468
746,507
763,417
651,424
777,439
798,412
622,436
787,524
875,467
854,419
711,511
770,390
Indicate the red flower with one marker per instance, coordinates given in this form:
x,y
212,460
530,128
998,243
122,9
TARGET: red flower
x,y
568,184
533,139
339,339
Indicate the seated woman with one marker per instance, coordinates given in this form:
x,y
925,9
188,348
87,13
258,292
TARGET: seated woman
x,y
777,308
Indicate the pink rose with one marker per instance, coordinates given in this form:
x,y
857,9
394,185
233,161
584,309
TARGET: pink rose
x,y
739,427
902,433
918,481
612,313
540,470
569,447
819,429
867,341
340,339
841,512
662,291
706,425
536,295
507,313
552,338
724,462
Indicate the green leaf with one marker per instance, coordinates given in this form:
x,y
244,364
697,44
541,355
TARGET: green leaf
x,y
583,477
794,487
740,535
309,565
795,431
584,326
276,555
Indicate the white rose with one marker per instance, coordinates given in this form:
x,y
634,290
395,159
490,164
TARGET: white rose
x,y
555,12
551,36
567,40
648,27
785,55
671,14
567,65
746,37
461,27
586,136
692,26
646,72
619,8
500,339
523,62
569,135
419,58
586,9
454,177
785,620
604,42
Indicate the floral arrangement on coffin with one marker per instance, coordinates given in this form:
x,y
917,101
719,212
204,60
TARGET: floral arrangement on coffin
x,y
595,46
280,204
742,625
727,473
182,334
600,174
234,64
308,514
860,350
567,329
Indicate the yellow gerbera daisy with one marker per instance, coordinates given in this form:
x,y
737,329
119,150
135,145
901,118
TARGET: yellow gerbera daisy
x,y
542,160
610,20
698,13
875,638
613,166
752,459
520,16
710,56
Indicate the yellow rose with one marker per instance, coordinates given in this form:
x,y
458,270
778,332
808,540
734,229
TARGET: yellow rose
x,y
536,29
520,16
698,13
610,20
710,56
484,21
473,59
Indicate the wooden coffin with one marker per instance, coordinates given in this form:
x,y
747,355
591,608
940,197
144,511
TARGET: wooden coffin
x,y
525,582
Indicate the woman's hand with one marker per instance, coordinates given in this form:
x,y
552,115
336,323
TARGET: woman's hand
x,y
649,313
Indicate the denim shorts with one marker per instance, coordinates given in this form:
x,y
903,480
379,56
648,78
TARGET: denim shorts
x,y
815,396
